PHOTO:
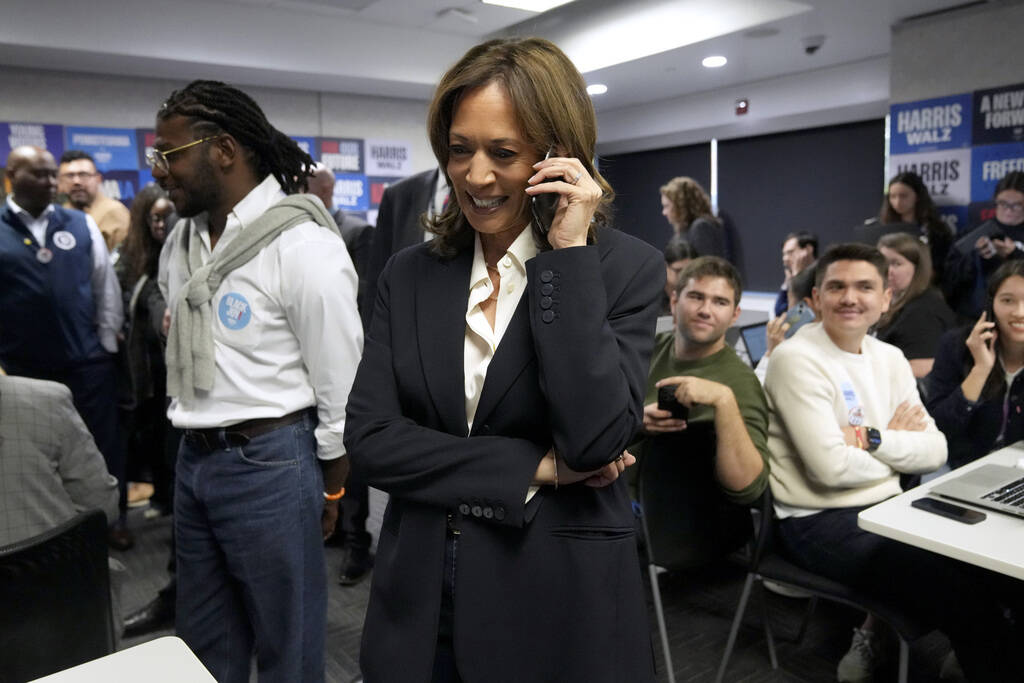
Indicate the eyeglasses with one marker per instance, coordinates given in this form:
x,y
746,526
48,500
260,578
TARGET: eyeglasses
x,y
1010,206
158,159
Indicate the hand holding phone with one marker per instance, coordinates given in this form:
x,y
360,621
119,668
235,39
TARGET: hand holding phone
x,y
797,317
981,341
667,401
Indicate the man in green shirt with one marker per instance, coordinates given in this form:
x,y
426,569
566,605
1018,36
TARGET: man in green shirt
x,y
720,391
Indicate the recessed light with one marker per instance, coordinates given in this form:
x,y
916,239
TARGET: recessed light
x,y
528,5
597,89
714,62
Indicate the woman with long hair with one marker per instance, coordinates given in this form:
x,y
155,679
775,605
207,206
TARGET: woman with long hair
x,y
144,375
975,389
687,208
907,200
502,376
917,315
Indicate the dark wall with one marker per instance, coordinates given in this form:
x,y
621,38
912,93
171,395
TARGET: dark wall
x,y
636,178
825,180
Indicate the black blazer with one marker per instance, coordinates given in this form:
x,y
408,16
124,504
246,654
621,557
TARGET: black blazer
x,y
545,591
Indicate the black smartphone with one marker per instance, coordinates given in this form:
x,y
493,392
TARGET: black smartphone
x,y
950,510
667,401
543,206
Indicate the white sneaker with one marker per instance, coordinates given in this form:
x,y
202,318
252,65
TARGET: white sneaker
x,y
859,663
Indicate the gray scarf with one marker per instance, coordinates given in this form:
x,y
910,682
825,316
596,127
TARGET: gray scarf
x,y
190,356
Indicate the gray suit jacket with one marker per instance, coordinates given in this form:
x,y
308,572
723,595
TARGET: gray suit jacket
x,y
50,468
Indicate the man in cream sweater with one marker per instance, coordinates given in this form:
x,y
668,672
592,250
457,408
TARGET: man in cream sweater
x,y
846,421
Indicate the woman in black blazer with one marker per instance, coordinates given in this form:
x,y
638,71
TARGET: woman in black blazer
x,y
502,377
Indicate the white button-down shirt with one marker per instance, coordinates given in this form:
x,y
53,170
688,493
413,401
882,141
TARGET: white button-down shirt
x,y
481,340
106,291
286,333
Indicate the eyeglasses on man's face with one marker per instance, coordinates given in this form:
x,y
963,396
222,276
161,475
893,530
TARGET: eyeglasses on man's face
x,y
157,159
1010,206
75,176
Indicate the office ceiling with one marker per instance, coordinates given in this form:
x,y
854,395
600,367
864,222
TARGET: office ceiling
x,y
399,48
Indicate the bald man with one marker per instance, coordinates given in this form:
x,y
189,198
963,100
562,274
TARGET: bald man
x,y
60,302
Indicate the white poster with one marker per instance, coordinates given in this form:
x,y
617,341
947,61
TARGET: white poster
x,y
946,173
388,157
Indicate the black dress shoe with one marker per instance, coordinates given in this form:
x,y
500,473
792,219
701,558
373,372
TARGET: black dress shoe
x,y
357,564
155,616
120,538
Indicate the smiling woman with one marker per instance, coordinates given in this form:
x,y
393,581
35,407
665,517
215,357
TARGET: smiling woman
x,y
510,554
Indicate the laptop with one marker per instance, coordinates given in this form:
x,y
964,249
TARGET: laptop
x,y
755,340
994,487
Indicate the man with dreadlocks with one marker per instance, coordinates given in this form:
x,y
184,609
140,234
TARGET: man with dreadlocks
x,y
262,351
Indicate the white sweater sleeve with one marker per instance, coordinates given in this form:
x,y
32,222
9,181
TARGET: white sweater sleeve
x,y
804,396
911,452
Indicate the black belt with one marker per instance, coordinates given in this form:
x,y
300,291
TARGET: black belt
x,y
241,433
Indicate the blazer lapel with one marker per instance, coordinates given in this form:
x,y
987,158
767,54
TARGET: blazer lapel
x,y
441,300
512,355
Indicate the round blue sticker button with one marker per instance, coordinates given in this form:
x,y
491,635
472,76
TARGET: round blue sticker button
x,y
234,311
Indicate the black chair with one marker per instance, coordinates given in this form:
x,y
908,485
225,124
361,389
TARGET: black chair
x,y
687,521
767,564
55,598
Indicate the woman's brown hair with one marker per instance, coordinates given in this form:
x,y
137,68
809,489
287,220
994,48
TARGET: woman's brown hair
x,y
552,108
915,251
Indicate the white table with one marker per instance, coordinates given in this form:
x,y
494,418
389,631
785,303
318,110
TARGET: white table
x,y
996,543
163,660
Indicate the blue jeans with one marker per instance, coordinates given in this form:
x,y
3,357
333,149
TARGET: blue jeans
x,y
250,558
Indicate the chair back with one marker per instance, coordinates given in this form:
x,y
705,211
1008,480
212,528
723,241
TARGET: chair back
x,y
55,600
687,520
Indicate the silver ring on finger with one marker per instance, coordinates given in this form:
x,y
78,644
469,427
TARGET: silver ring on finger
x,y
576,180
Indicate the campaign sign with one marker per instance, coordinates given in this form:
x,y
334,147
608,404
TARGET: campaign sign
x,y
121,185
928,125
999,115
112,148
990,164
44,135
955,217
377,187
307,145
342,155
945,173
979,212
351,192
145,137
388,158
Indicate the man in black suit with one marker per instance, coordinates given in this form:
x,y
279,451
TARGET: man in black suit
x,y
400,225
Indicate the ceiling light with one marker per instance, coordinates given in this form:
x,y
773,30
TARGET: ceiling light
x,y
714,62
597,89
528,5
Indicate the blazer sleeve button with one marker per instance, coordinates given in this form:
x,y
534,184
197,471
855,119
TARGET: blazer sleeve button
x,y
545,302
499,513
488,512
547,288
464,508
477,511
547,316
546,276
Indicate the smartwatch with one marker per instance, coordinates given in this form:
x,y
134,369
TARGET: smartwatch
x,y
874,439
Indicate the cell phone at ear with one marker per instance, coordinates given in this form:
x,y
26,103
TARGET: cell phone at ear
x,y
950,510
543,206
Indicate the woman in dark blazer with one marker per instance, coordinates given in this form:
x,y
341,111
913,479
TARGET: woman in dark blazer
x,y
502,377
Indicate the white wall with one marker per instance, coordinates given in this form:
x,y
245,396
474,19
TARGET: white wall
x,y
841,94
959,52
128,102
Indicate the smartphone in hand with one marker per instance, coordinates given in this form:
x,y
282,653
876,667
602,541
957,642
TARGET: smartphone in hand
x,y
667,401
543,206
797,317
